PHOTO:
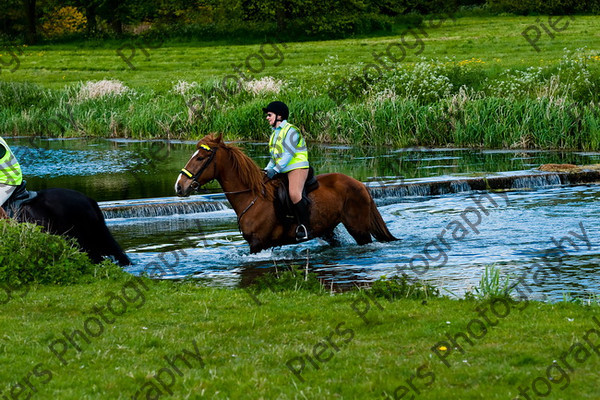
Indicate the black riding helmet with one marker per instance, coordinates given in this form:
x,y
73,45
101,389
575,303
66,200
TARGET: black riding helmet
x,y
278,108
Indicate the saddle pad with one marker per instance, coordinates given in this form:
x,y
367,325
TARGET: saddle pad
x,y
19,197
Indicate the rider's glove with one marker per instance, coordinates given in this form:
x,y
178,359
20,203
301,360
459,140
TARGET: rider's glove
x,y
271,172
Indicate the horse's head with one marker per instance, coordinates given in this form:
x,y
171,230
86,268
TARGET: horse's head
x,y
201,168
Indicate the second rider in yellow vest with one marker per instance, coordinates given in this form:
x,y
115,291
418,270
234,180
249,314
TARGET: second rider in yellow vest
x,y
289,155
10,175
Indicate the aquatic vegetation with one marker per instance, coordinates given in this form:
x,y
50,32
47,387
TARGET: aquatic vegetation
x,y
492,285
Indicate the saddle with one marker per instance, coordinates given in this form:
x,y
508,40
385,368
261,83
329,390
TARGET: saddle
x,y
20,197
283,204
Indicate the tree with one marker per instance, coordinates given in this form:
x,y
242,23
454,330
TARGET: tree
x,y
31,17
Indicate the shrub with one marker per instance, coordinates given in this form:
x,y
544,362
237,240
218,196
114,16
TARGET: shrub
x,y
28,255
64,21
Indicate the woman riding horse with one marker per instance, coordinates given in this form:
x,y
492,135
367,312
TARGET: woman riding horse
x,y
60,211
338,198
289,156
10,175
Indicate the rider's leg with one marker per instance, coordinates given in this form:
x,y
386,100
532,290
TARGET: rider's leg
x,y
5,192
296,179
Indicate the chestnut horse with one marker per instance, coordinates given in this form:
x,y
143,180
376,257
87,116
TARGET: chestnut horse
x,y
338,199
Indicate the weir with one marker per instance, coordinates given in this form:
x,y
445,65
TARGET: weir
x,y
165,206
161,206
514,180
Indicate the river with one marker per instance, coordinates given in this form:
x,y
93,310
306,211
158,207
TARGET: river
x,y
546,236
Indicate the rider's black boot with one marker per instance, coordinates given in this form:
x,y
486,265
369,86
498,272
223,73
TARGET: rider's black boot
x,y
303,216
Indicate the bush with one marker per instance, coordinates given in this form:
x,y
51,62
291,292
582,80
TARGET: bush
x,y
64,21
556,7
28,255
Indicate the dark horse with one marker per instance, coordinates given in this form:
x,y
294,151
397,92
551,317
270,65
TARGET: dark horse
x,y
338,199
69,213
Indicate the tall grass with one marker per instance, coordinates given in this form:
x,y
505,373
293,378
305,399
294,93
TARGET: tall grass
x,y
424,104
491,285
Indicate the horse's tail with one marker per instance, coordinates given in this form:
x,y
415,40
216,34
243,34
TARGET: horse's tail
x,y
378,227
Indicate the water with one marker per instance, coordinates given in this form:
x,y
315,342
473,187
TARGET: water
x,y
519,234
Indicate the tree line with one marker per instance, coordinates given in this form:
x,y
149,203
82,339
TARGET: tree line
x,y
31,20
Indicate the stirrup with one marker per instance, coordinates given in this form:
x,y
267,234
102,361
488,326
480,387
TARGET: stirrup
x,y
301,233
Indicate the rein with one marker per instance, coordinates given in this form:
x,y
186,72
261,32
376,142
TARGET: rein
x,y
194,177
239,219
196,185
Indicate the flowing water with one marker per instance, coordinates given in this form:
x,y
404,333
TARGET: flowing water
x,y
539,232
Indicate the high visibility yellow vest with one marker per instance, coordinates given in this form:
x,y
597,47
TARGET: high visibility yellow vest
x,y
277,150
10,170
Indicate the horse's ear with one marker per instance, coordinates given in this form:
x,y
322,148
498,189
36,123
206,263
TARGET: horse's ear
x,y
220,137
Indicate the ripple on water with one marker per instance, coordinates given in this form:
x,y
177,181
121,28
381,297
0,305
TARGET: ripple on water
x,y
516,236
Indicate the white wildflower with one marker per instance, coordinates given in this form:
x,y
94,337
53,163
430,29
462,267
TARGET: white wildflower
x,y
94,90
182,87
265,84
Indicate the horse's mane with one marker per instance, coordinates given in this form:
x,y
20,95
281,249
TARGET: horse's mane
x,y
248,172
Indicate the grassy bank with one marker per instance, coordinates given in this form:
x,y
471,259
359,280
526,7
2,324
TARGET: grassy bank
x,y
241,348
113,335
458,81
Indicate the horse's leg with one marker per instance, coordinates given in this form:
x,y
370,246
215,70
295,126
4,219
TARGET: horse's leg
x,y
107,243
356,214
331,238
70,213
361,237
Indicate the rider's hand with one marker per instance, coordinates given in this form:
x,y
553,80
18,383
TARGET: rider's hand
x,y
270,172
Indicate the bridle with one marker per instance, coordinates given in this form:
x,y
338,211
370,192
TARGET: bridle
x,y
194,177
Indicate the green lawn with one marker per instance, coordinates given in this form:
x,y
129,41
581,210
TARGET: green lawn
x,y
497,41
235,347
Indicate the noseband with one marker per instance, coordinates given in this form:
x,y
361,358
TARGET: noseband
x,y
194,177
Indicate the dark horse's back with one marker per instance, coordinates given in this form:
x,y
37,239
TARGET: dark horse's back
x,y
70,213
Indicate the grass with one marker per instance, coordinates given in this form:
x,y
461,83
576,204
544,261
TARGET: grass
x,y
245,347
491,285
285,337
29,255
464,82
495,40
